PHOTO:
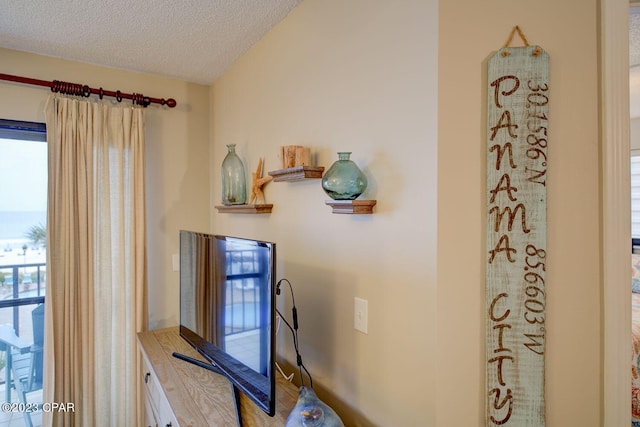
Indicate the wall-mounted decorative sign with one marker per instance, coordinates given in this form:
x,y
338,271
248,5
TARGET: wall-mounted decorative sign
x,y
516,256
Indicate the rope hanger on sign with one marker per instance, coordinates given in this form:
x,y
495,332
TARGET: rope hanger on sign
x,y
515,30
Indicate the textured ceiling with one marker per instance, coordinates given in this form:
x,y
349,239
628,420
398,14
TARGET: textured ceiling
x,y
191,40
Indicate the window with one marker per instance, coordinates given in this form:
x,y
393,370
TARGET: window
x,y
23,216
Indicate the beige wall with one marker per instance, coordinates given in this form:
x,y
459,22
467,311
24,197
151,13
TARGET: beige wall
x,y
348,76
176,157
469,32
317,79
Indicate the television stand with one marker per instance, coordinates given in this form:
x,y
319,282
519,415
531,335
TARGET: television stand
x,y
213,368
197,362
184,394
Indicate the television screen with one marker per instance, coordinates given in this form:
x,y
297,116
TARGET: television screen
x,y
227,309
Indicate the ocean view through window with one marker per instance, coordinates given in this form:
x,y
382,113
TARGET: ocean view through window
x,y
23,200
23,222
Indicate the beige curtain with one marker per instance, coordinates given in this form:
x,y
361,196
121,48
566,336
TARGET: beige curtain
x,y
96,268
201,273
209,299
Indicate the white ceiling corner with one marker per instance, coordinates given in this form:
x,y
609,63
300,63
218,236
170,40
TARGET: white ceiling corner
x,y
191,40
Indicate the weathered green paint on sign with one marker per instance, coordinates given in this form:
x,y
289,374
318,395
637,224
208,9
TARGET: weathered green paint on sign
x,y
517,118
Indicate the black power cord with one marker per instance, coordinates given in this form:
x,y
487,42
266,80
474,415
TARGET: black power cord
x,y
294,330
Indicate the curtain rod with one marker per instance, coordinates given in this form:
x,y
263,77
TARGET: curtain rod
x,y
79,89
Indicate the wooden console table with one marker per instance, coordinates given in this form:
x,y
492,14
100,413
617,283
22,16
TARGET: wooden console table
x,y
177,393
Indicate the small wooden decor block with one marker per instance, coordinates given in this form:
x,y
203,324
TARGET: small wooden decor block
x,y
245,209
352,206
297,173
294,155
516,252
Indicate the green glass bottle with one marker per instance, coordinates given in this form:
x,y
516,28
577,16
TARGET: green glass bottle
x,y
344,180
234,186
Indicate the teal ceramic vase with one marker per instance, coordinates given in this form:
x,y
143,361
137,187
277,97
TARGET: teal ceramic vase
x,y
344,180
312,412
234,186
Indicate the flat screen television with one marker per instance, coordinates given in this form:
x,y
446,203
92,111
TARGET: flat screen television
x,y
227,310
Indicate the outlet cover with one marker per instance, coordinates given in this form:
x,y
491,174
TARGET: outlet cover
x,y
361,315
175,261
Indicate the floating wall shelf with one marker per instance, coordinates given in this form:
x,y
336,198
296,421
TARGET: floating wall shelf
x,y
245,209
352,206
297,173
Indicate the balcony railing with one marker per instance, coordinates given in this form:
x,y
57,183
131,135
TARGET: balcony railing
x,y
23,288
26,286
246,285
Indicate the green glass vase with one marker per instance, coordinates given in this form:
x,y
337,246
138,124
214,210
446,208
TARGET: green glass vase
x,y
234,186
344,180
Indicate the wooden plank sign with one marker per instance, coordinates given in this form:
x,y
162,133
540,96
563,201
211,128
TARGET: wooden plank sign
x,y
517,117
